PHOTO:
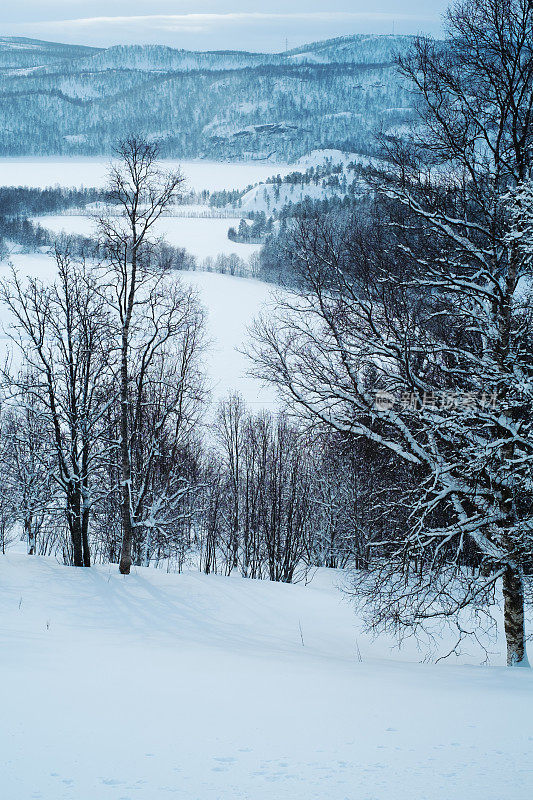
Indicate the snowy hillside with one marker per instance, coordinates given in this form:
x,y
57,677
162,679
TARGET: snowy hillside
x,y
191,686
359,49
158,58
19,53
335,93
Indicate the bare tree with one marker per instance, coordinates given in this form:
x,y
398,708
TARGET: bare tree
x,y
152,319
61,332
8,515
423,344
259,500
230,427
165,408
27,466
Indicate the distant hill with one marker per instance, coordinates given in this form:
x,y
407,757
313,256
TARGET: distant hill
x,y
358,49
19,53
66,99
155,58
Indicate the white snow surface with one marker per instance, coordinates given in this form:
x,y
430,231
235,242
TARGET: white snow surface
x,y
198,687
203,237
232,304
92,171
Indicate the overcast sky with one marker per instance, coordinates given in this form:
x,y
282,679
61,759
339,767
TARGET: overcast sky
x,y
215,24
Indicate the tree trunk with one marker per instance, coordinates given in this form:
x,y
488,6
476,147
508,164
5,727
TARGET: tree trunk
x,y
30,537
75,527
145,561
85,538
125,463
127,531
75,535
513,596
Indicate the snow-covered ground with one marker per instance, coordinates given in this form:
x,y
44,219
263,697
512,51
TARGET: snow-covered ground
x,y
270,198
92,171
203,237
231,304
198,687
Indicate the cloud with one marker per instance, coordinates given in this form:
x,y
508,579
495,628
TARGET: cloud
x,y
240,29
195,21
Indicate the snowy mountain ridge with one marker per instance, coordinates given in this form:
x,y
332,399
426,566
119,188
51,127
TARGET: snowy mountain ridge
x,y
64,100
18,52
356,49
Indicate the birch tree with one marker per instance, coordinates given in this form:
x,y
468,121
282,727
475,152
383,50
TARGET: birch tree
x,y
166,401
422,342
151,318
28,466
61,332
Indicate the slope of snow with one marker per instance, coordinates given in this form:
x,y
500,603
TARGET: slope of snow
x,y
198,688
270,198
232,304
37,265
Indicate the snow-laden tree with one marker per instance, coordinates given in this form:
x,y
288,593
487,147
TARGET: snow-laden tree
x,y
258,516
166,401
157,330
422,343
61,333
27,466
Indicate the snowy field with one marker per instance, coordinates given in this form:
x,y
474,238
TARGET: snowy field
x,y
231,304
92,171
202,237
198,687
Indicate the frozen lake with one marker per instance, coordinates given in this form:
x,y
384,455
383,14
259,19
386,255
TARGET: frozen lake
x,y
201,236
92,171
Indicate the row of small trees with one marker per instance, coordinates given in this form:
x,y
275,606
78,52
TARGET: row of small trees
x,y
278,500
257,495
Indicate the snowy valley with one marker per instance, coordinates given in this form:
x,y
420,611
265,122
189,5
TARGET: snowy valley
x,y
266,410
